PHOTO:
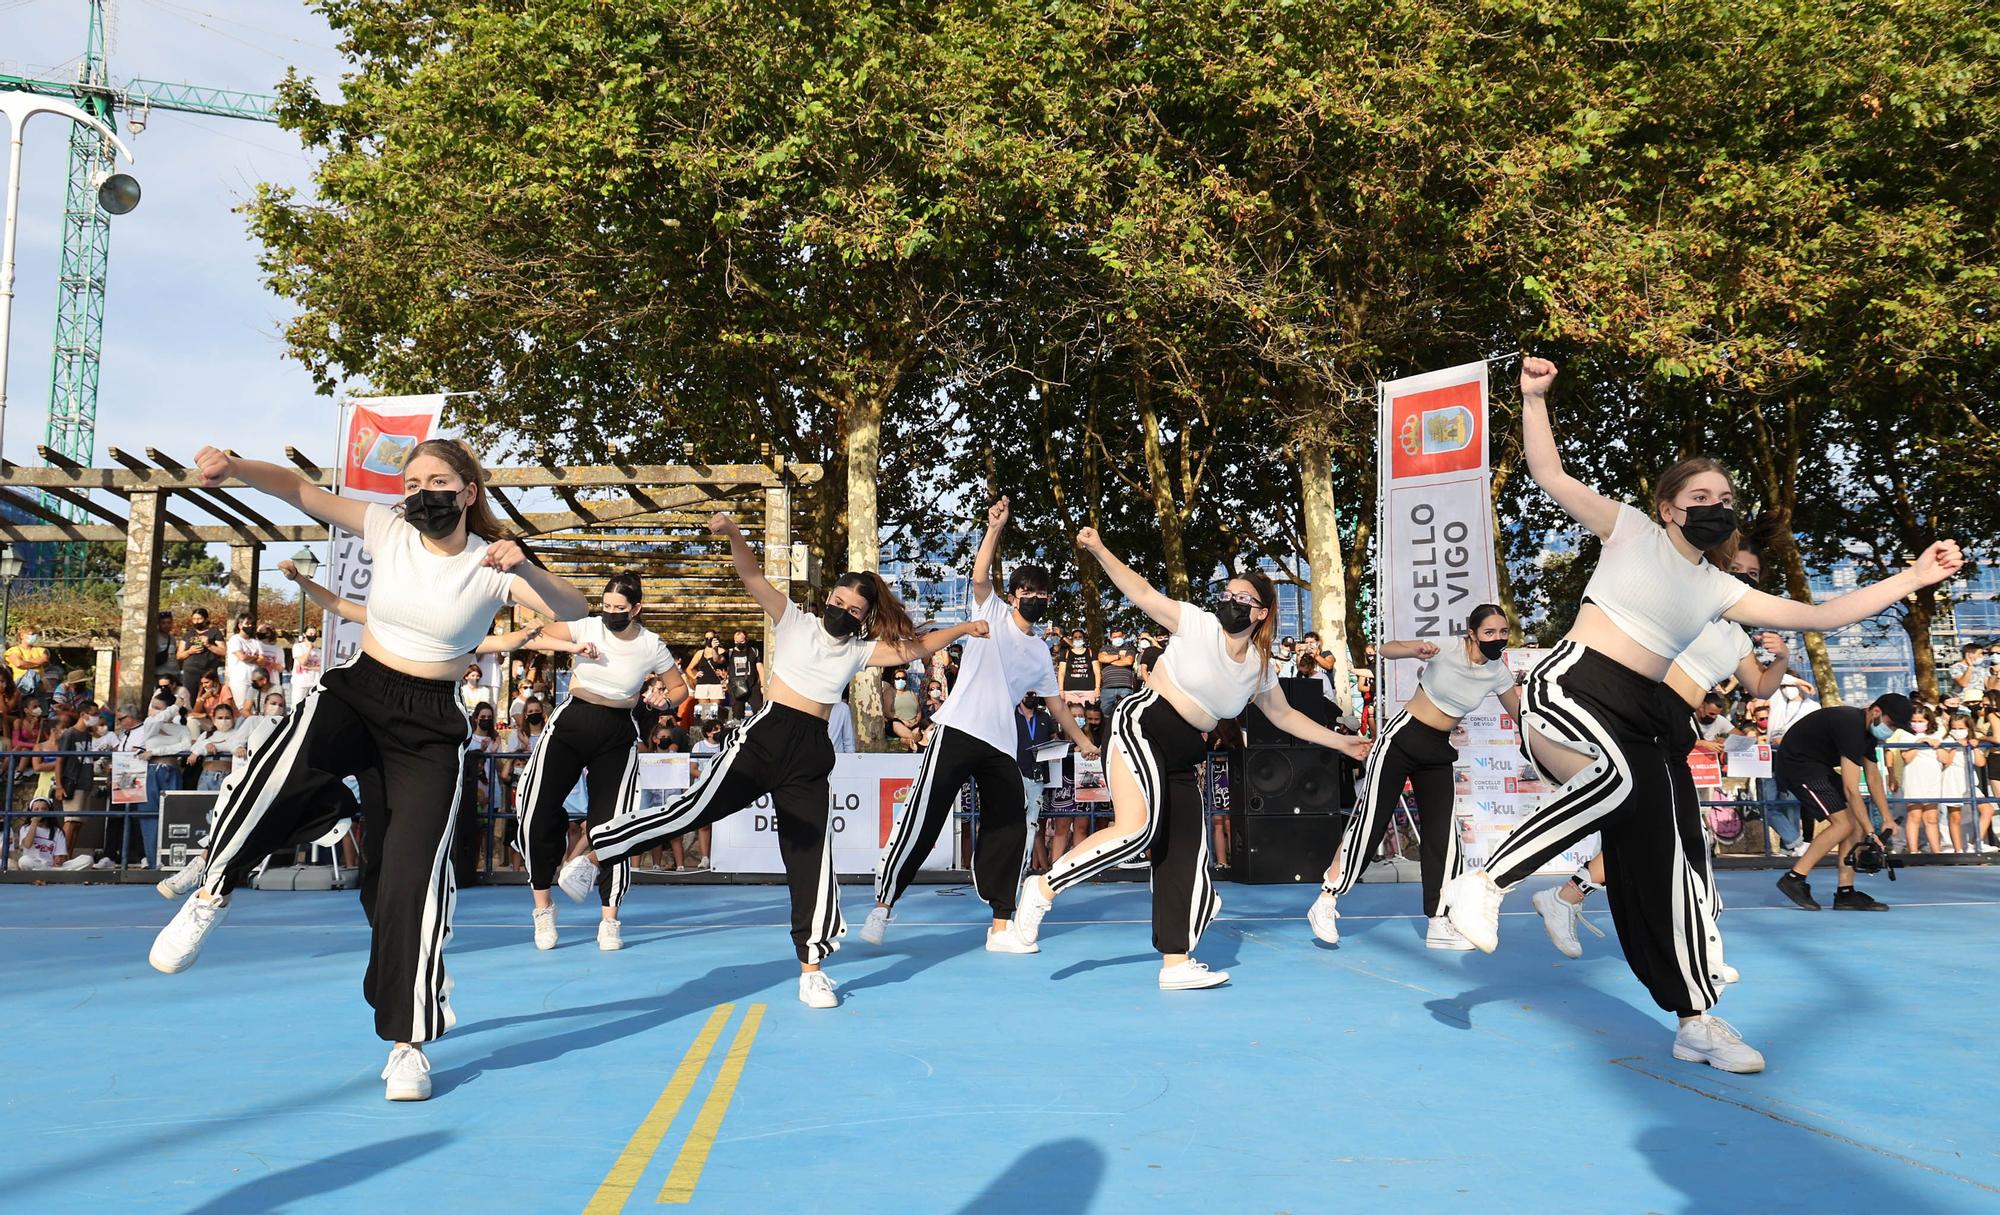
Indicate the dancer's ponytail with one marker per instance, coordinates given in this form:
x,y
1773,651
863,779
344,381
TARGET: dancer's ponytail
x,y
886,620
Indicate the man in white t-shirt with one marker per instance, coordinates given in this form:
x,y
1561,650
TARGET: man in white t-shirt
x,y
1794,699
974,741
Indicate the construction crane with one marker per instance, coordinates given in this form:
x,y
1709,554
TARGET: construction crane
x,y
86,234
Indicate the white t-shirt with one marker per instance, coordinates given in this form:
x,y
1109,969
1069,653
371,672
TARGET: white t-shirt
x,y
244,655
1974,687
1788,705
621,669
1198,661
997,671
1658,598
1715,655
43,843
422,605
810,661
1456,684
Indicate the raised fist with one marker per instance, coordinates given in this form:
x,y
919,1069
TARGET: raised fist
x,y
214,465
1536,376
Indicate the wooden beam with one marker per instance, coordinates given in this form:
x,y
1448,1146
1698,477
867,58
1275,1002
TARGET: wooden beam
x,y
302,462
51,456
206,533
24,503
137,475
82,503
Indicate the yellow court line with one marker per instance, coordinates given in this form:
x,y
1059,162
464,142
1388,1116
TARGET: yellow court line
x,y
623,1178
694,1153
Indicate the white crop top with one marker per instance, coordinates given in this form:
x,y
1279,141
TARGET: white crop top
x,y
810,661
421,605
999,669
1716,654
1658,597
1198,662
619,671
1456,684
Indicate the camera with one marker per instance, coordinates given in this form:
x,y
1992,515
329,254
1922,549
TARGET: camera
x,y
1869,856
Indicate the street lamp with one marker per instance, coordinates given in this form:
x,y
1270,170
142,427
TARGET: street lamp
x,y
116,191
308,566
10,569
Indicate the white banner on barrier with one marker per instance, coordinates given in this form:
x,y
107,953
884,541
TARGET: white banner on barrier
x,y
376,437
1434,559
868,793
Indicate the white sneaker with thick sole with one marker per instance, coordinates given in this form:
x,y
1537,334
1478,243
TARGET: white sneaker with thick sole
x,y
1472,902
816,990
577,878
1713,1041
1441,935
1006,940
1559,916
1325,917
610,935
1029,910
182,884
179,943
545,928
876,926
1190,976
408,1074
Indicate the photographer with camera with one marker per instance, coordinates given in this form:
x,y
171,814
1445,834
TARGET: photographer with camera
x,y
1821,762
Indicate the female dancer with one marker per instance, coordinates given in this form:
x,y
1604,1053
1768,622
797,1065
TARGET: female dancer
x,y
595,730
390,717
1723,649
1416,747
783,749
1217,662
975,742
1596,724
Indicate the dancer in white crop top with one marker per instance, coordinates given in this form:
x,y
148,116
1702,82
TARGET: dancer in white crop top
x,y
1598,723
389,716
783,749
1218,662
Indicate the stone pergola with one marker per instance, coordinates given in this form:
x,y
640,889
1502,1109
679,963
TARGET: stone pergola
x,y
648,517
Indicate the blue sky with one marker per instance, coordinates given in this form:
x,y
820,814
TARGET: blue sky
x,y
193,351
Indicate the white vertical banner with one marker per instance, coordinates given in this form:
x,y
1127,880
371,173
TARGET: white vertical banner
x,y
376,437
1434,555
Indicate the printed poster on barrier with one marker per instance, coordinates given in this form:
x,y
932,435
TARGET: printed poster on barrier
x,y
1434,516
1706,768
867,793
665,772
1090,782
1746,756
128,778
376,435
1495,789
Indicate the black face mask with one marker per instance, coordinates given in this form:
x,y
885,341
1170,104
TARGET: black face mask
x,y
434,512
1746,579
1493,649
1233,616
838,624
615,621
1707,526
1033,607
534,719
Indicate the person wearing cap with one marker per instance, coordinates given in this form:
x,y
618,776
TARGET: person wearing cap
x,y
1821,762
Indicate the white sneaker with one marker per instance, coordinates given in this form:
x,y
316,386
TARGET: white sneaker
x,y
183,883
876,926
545,928
408,1074
1190,976
1713,1041
1472,902
179,943
610,935
83,860
578,878
105,862
1726,973
141,863
1559,916
1029,910
1324,917
816,990
1441,935
1006,940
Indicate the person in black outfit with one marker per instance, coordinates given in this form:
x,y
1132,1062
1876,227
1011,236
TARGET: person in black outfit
x,y
166,651
1821,762
744,665
199,651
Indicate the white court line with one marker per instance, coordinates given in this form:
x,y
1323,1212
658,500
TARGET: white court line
x,y
980,923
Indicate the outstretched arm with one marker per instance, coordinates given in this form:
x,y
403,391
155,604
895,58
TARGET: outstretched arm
x,y
1067,723
1408,649
1538,442
322,597
1162,608
748,572
1762,682
989,547
1938,562
1299,726
217,466
535,588
886,654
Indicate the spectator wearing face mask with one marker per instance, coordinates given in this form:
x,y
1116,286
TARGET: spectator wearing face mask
x,y
1967,677
39,844
707,674
1961,759
27,659
166,741
76,783
1082,680
243,657
270,656
1118,669
744,665
906,708
305,666
215,751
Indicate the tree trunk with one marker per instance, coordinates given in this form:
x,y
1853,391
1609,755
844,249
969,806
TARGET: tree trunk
x,y
863,443
1323,558
1798,588
1777,467
1917,624
1357,567
1088,573
1171,549
1094,608
1503,577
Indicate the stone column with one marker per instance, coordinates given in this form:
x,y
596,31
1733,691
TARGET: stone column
x,y
144,531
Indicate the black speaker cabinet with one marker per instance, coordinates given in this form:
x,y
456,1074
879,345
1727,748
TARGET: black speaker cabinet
x,y
1285,848
1298,779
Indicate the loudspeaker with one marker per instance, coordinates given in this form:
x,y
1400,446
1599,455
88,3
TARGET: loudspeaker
x,y
1299,779
1285,848
1308,696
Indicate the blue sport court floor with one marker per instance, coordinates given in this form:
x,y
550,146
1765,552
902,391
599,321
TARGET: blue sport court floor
x,y
684,1072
